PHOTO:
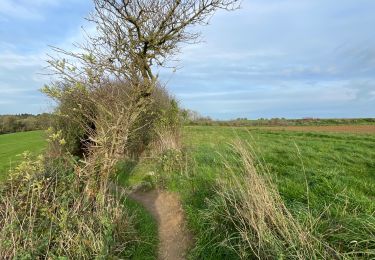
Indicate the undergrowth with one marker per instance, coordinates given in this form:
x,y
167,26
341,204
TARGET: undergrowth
x,y
44,215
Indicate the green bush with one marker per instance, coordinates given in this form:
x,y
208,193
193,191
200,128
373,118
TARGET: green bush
x,y
75,115
45,214
23,123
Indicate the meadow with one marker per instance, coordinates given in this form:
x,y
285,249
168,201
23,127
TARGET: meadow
x,y
330,175
13,145
324,178
332,163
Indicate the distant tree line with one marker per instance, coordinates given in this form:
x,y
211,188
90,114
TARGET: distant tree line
x,y
193,118
23,122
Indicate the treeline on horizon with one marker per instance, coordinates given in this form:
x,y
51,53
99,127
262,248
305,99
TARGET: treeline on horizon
x,y
29,122
24,122
193,118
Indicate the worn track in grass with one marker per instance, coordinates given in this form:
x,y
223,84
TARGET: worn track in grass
x,y
165,207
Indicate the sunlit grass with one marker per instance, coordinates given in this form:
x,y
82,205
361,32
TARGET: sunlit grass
x,y
327,176
12,145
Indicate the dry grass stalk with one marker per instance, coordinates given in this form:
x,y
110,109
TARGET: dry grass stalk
x,y
43,214
262,225
166,140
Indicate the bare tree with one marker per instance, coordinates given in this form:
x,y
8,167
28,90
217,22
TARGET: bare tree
x,y
131,37
147,32
134,35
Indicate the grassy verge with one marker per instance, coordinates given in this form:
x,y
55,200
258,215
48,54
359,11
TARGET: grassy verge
x,y
146,246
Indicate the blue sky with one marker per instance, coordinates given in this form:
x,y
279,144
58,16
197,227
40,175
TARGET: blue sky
x,y
272,58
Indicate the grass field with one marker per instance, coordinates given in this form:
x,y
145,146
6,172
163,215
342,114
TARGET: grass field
x,y
12,145
338,168
354,129
333,163
328,175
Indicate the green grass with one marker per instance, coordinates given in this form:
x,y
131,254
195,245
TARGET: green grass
x,y
147,232
335,164
339,170
12,145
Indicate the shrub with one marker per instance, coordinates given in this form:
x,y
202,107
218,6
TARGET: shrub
x,y
60,206
45,214
23,122
159,126
158,123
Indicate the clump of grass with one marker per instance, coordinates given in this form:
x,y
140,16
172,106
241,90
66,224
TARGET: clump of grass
x,y
247,218
167,139
167,131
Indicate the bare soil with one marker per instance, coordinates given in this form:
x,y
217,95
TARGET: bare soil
x,y
165,207
362,129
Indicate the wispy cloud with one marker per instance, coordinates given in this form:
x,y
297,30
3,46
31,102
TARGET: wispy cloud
x,y
31,26
11,60
271,58
26,9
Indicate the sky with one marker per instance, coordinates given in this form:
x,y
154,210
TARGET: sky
x,y
271,58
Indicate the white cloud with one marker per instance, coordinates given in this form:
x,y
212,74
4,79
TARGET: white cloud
x,y
8,90
11,60
26,9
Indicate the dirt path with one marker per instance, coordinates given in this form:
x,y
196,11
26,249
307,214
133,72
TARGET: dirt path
x,y
165,207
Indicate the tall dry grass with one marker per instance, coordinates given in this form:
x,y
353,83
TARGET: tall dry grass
x,y
250,218
45,215
166,140
167,130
